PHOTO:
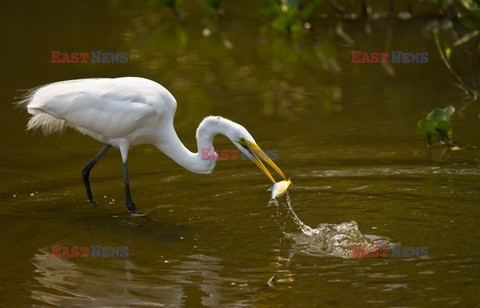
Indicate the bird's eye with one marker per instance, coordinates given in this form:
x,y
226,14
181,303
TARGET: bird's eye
x,y
242,139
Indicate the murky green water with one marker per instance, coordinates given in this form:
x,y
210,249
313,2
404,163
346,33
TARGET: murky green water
x,y
346,135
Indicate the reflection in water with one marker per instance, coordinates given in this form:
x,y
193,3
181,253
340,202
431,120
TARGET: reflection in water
x,y
439,154
119,281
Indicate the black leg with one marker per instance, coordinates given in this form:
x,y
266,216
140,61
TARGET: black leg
x,y
88,167
128,198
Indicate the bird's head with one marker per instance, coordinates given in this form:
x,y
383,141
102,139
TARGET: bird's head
x,y
242,139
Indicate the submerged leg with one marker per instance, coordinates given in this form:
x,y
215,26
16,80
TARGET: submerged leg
x,y
88,167
128,198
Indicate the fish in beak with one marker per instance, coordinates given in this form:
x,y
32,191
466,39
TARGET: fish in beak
x,y
280,188
257,155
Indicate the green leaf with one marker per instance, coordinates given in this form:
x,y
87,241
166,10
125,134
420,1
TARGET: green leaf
x,y
448,53
427,127
449,111
284,21
281,23
437,114
443,128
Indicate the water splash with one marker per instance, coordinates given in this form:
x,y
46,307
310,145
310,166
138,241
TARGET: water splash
x,y
326,239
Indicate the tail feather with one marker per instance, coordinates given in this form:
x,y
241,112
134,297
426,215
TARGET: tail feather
x,y
40,120
46,123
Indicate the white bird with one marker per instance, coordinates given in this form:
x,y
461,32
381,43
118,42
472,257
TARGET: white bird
x,y
127,111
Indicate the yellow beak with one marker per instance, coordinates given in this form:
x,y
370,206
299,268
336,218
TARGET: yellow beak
x,y
257,156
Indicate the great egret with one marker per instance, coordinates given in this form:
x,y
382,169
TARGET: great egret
x,y
127,111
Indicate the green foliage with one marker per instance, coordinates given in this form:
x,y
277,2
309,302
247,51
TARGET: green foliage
x,y
467,11
437,124
445,4
173,4
291,16
309,9
456,12
211,6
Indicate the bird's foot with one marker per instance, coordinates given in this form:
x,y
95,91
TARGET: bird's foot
x,y
138,214
131,207
91,201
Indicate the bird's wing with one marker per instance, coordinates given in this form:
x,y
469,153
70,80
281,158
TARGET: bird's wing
x,y
112,108
112,119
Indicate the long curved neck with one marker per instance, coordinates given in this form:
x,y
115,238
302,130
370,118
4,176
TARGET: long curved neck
x,y
203,160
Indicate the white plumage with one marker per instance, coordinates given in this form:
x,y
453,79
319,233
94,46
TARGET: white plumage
x,y
103,108
128,111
